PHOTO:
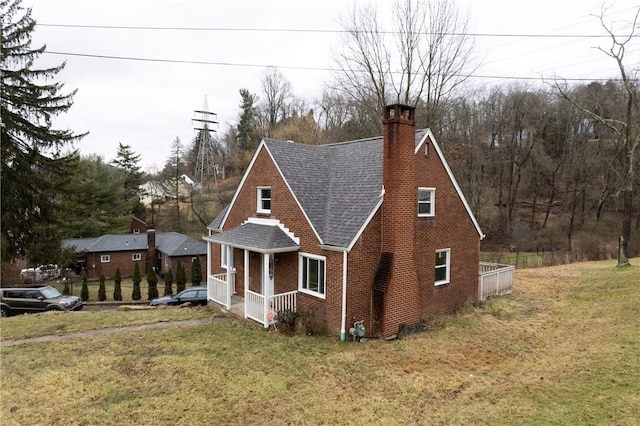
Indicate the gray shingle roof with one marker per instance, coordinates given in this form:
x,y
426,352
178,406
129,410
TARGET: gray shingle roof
x,y
171,243
337,185
108,243
174,244
218,220
257,237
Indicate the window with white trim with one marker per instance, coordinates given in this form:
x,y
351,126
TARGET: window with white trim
x,y
223,255
264,199
312,275
105,258
136,230
443,266
136,256
426,202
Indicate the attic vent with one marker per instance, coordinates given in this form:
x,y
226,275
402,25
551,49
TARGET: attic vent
x,y
426,148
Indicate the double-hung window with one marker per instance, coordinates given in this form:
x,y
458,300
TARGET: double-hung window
x,y
426,202
443,266
264,199
312,275
105,258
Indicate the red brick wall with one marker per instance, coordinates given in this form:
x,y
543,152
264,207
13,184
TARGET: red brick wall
x,y
286,272
450,228
138,224
362,265
122,260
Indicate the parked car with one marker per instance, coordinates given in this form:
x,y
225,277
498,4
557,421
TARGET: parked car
x,y
192,295
42,272
20,300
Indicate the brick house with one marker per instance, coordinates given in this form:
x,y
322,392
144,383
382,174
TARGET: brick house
x,y
374,229
103,255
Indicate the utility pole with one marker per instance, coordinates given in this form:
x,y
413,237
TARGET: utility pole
x,y
206,167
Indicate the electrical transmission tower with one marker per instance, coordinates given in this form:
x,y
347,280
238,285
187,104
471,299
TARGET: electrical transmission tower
x,y
206,167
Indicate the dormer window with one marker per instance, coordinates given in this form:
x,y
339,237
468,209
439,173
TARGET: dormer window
x,y
426,202
264,199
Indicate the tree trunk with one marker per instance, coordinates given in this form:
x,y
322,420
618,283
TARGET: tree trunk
x,y
623,244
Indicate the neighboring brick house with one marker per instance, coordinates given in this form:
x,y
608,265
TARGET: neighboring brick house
x,y
102,255
374,229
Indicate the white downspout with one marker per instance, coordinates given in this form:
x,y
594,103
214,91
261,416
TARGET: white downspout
x,y
343,326
246,281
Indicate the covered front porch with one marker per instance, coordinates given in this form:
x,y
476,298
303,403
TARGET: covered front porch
x,y
250,282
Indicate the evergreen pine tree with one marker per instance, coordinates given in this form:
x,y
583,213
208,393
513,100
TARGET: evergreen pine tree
x,y
247,124
84,293
126,162
168,283
135,294
196,273
34,157
117,288
102,291
152,281
181,278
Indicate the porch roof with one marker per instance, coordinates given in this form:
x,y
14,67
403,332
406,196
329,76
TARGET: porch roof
x,y
256,237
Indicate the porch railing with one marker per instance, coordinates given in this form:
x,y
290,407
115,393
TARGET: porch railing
x,y
283,302
495,279
217,288
255,308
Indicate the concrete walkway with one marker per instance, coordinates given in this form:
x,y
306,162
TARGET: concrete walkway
x,y
112,330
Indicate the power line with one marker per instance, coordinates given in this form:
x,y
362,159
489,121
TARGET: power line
x,y
246,65
326,31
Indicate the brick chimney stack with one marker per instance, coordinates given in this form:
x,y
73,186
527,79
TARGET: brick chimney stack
x,y
402,304
151,248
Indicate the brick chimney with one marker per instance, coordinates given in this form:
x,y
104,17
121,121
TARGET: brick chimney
x,y
402,304
151,257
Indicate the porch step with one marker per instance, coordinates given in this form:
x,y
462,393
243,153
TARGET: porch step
x,y
237,306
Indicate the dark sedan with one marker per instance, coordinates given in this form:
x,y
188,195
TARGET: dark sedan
x,y
192,296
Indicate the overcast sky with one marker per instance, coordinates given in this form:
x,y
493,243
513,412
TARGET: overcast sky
x,y
147,104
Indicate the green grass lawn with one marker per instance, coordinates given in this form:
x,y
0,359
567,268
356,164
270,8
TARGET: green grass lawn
x,y
563,348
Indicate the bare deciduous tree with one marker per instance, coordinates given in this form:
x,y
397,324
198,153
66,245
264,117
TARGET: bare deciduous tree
x,y
421,62
624,126
277,91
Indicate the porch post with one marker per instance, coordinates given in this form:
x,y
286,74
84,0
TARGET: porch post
x,y
230,269
208,260
246,281
268,273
